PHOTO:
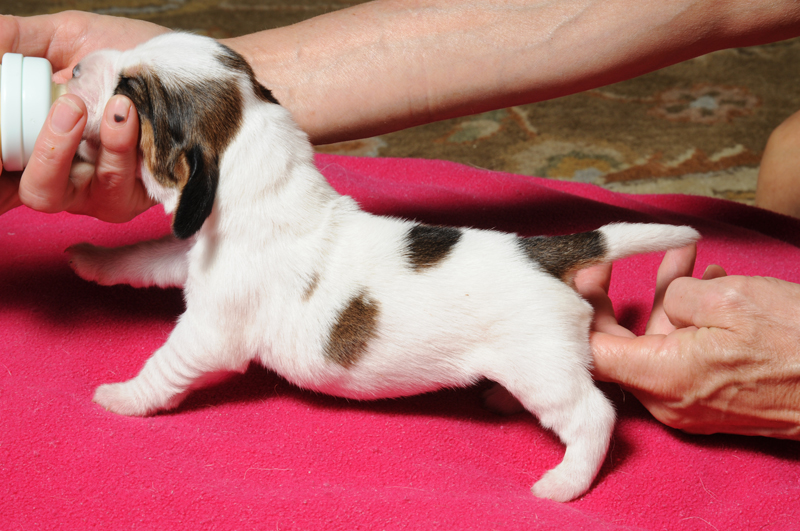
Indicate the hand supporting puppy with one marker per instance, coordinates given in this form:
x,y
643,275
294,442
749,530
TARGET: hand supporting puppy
x,y
719,353
52,182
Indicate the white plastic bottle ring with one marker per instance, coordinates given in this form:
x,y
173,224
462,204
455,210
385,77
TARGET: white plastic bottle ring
x,y
11,111
37,97
26,94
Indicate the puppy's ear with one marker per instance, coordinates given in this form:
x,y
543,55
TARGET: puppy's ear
x,y
184,131
197,198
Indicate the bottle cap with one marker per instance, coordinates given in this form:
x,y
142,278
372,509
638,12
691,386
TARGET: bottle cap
x,y
26,95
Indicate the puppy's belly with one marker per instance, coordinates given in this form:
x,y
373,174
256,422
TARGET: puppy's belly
x,y
410,356
387,369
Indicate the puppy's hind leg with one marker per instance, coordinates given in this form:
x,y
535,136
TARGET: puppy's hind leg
x,y
566,401
161,263
584,425
193,357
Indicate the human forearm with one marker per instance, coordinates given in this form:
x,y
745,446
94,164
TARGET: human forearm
x,y
391,64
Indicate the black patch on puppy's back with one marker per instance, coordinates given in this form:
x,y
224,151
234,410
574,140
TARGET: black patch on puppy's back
x,y
563,255
428,245
355,326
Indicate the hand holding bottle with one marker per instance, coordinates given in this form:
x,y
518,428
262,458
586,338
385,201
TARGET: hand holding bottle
x,y
53,181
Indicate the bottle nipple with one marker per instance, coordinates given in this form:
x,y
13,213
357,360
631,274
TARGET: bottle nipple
x,y
26,94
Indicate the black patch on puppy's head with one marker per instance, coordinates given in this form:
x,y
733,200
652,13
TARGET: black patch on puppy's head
x,y
185,129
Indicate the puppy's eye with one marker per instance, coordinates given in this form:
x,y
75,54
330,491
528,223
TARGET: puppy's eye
x,y
76,72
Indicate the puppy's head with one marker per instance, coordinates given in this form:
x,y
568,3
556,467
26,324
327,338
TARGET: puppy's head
x,y
190,93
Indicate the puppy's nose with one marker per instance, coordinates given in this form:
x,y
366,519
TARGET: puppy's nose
x,y
76,72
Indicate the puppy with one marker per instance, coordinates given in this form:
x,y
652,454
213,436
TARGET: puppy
x,y
279,268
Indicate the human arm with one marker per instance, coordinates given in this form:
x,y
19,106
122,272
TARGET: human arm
x,y
720,354
390,64
778,186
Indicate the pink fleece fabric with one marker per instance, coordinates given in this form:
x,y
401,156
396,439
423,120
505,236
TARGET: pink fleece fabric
x,y
258,453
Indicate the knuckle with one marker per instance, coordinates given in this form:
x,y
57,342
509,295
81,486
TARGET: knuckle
x,y
115,167
733,293
685,415
112,175
46,155
673,418
38,201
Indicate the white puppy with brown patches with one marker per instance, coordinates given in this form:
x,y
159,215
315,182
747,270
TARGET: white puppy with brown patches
x,y
279,268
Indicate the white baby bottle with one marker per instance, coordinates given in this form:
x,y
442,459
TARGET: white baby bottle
x,y
26,94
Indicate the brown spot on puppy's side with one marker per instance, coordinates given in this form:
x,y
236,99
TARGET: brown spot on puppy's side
x,y
428,245
355,326
562,256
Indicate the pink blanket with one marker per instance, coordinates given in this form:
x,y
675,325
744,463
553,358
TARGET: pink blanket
x,y
258,453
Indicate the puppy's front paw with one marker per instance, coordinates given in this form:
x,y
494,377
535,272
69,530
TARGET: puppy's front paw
x,y
119,398
499,400
89,262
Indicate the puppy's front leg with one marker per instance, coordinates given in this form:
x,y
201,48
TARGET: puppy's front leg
x,y
161,263
188,360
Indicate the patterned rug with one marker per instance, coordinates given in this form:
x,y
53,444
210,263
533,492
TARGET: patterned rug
x,y
698,127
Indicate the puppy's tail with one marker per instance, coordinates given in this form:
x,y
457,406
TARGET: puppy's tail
x,y
563,256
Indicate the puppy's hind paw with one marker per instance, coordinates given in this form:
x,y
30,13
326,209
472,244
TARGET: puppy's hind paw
x,y
561,486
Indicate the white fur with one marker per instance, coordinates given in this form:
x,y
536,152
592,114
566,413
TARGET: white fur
x,y
277,228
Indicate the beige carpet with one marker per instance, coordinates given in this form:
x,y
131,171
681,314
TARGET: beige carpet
x,y
698,127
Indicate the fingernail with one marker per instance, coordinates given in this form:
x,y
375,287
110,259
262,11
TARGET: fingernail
x,y
66,115
117,111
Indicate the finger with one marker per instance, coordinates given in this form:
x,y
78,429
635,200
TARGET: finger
x,y
594,278
45,183
64,38
28,35
116,194
676,263
119,135
631,362
54,37
592,284
714,271
692,302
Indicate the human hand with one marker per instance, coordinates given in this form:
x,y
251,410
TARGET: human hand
x,y
719,353
65,38
51,182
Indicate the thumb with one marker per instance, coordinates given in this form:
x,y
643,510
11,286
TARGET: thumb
x,y
116,193
45,184
631,362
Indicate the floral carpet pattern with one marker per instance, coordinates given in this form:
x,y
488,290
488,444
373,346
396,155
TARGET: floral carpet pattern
x,y
698,127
